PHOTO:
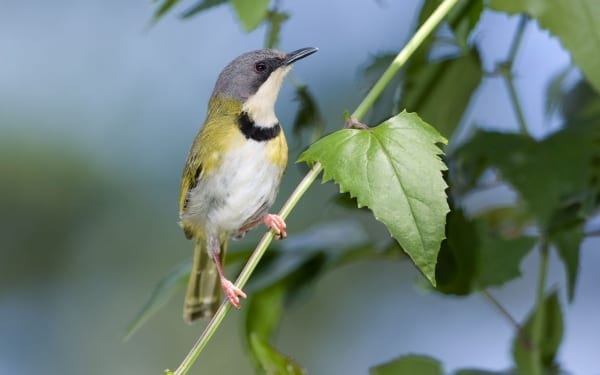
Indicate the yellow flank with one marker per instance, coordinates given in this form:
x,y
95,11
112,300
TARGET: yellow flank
x,y
277,150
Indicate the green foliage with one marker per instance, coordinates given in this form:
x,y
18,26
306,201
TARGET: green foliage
x,y
251,13
559,17
440,92
474,258
409,365
552,325
395,170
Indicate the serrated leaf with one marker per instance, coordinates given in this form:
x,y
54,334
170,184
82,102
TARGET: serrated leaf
x,y
274,20
308,116
409,365
395,170
441,92
160,296
568,245
550,339
201,6
559,17
251,12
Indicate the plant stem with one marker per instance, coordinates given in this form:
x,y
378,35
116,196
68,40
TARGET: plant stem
x,y
505,313
539,319
509,76
426,28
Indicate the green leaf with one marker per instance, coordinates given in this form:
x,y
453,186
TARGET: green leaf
x,y
555,90
551,337
500,259
440,92
308,115
251,12
568,244
274,20
463,18
265,310
576,23
201,6
457,260
395,170
410,365
160,296
164,8
473,257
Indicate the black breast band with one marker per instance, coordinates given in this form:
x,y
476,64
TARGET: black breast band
x,y
258,133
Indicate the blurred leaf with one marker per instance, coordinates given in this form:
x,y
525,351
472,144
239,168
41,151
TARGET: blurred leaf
x,y
395,170
386,105
274,20
265,310
308,116
559,17
568,243
164,8
160,296
474,258
463,18
557,177
251,12
273,362
550,339
201,6
581,105
547,173
500,259
440,92
556,90
457,260
409,365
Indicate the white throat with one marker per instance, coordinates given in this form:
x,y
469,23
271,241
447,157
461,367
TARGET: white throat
x,y
261,106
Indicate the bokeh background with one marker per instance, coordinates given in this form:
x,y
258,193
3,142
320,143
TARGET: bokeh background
x,y
97,112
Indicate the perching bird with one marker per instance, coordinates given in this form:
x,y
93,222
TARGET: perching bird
x,y
233,171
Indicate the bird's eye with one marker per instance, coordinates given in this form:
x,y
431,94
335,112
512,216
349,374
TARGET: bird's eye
x,y
260,67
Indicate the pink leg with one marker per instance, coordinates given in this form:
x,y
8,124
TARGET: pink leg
x,y
277,224
232,292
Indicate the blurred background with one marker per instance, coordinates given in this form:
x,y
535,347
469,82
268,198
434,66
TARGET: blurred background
x,y
97,113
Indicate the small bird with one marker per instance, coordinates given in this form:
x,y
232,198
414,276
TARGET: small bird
x,y
233,171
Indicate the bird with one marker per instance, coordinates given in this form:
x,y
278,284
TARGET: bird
x,y
233,171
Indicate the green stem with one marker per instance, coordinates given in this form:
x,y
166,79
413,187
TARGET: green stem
x,y
417,39
509,77
539,319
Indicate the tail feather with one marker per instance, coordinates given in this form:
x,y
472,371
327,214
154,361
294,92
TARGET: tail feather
x,y
203,294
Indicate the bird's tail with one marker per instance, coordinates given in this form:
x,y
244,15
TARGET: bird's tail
x,y
204,289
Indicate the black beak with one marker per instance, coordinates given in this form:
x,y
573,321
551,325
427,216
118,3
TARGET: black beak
x,y
301,53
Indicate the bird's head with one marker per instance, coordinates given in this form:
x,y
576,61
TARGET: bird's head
x,y
255,78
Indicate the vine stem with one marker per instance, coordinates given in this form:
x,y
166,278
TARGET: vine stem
x,y
509,77
540,315
422,33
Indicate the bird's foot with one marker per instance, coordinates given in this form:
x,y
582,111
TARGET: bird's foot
x,y
232,292
277,224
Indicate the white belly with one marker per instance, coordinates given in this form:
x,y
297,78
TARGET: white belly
x,y
243,188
